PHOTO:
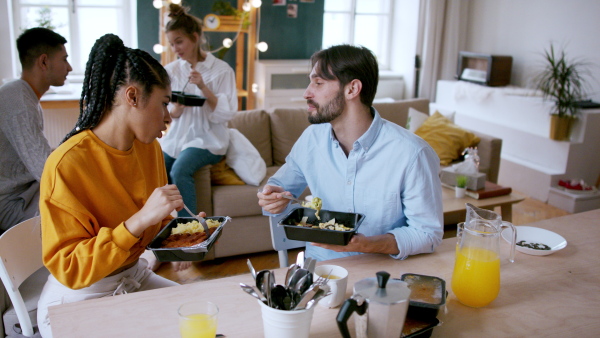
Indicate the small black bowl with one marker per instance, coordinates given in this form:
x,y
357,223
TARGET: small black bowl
x,y
190,100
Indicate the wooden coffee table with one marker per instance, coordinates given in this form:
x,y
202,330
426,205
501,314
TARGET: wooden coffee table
x,y
455,210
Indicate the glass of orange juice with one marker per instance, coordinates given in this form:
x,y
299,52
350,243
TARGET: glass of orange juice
x,y
198,319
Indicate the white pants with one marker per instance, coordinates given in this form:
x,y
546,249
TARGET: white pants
x,y
136,278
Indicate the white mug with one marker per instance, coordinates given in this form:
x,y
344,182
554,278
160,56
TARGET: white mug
x,y
338,281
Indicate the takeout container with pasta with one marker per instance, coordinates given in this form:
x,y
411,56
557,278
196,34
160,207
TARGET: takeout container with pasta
x,y
302,225
196,252
189,100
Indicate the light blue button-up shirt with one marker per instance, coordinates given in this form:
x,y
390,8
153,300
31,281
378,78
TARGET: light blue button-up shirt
x,y
390,176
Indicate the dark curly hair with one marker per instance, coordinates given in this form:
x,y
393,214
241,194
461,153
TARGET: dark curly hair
x,y
110,66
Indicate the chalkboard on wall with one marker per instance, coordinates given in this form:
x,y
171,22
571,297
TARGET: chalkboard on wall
x,y
288,38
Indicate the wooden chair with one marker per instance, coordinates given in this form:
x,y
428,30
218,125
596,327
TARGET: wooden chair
x,y
20,259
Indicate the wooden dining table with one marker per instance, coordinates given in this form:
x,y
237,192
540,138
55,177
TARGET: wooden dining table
x,y
557,295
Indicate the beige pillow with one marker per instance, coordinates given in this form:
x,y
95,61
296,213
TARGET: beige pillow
x,y
447,139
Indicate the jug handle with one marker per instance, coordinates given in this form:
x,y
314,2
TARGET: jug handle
x,y
513,242
349,306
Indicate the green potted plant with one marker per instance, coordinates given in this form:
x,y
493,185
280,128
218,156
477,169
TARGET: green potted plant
x,y
561,81
461,186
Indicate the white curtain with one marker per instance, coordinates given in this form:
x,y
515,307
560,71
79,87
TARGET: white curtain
x,y
441,35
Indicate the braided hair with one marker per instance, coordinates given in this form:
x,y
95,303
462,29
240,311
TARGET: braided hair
x,y
110,66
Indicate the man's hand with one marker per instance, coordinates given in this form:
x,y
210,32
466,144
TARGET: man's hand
x,y
384,244
271,200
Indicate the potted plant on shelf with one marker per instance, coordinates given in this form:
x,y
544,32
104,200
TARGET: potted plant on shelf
x,y
461,186
562,81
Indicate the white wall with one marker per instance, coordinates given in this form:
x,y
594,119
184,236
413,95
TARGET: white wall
x,y
6,52
523,29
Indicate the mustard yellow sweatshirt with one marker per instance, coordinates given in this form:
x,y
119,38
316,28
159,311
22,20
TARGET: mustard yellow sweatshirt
x,y
88,190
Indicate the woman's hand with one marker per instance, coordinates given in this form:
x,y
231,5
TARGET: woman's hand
x,y
177,110
159,205
196,78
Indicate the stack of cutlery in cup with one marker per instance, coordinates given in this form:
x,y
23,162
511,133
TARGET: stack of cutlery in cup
x,y
298,292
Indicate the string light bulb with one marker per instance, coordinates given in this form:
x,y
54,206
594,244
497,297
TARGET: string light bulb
x,y
262,46
256,3
246,6
158,48
227,43
157,4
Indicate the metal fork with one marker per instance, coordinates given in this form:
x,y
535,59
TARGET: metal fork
x,y
322,280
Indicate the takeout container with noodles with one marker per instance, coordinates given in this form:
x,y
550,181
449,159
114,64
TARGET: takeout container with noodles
x,y
192,253
309,234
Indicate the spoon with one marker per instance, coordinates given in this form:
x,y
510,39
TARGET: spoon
x,y
253,291
289,273
251,267
278,295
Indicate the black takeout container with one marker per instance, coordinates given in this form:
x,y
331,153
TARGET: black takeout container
x,y
194,253
428,295
418,328
307,234
187,99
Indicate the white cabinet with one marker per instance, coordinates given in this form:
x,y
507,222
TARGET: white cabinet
x,y
281,83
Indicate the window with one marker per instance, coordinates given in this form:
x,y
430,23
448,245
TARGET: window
x,y
360,22
81,22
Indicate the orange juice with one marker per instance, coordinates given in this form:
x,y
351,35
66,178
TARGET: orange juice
x,y
198,326
476,277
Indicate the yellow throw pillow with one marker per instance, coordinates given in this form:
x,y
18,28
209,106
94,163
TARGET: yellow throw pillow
x,y
222,174
447,139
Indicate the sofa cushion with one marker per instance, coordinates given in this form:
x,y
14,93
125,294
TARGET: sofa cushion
x,y
245,160
287,124
397,111
222,174
256,126
238,200
447,139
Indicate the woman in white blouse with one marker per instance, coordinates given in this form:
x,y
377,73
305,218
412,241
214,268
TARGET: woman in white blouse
x,y
198,136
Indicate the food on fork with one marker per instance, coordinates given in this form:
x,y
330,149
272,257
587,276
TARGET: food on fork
x,y
189,234
316,203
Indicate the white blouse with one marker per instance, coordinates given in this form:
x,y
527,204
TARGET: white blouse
x,y
202,127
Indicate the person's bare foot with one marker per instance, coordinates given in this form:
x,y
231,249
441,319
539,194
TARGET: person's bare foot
x,y
153,263
180,266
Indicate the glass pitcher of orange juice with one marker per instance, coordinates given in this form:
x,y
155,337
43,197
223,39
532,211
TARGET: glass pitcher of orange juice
x,y
476,277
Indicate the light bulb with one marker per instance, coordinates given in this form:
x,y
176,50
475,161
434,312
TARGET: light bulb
x,y
262,46
158,48
177,2
256,3
227,42
246,6
157,3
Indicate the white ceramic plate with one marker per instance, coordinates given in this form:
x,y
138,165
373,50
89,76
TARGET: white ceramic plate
x,y
536,235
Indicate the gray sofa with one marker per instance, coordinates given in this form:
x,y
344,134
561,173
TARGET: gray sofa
x,y
273,133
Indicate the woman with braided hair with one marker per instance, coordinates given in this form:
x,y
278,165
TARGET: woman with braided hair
x,y
104,192
198,136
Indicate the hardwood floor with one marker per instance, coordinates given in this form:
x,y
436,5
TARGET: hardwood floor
x,y
528,211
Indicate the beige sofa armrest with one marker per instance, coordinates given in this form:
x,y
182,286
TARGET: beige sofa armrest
x,y
489,149
203,190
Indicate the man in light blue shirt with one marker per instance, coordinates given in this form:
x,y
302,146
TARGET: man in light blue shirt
x,y
357,162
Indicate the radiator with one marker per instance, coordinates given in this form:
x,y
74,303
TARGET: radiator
x,y
57,123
